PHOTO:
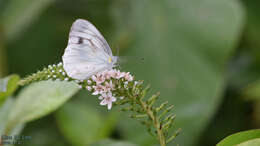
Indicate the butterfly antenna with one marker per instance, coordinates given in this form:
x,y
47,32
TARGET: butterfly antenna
x,y
117,54
117,51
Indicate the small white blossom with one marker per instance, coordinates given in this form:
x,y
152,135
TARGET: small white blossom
x,y
122,97
98,78
128,77
80,86
60,70
52,71
107,74
109,86
98,89
66,79
64,73
108,99
48,76
89,82
60,64
93,77
101,97
125,86
54,76
117,74
88,88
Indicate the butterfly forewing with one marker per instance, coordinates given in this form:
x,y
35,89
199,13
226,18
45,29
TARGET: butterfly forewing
x,y
83,32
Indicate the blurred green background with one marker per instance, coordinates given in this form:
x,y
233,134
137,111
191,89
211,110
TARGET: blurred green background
x,y
203,56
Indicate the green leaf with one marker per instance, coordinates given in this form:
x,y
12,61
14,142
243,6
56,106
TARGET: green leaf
x,y
253,142
185,45
4,113
240,137
82,124
40,99
44,132
7,86
110,142
252,92
19,14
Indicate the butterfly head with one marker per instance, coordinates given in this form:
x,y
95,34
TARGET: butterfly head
x,y
112,60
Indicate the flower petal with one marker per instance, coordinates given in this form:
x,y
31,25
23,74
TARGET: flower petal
x,y
113,99
95,93
103,102
109,105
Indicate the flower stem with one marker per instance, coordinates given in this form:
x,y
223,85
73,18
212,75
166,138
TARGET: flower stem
x,y
156,122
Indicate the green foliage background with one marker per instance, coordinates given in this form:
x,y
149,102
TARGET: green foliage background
x,y
203,56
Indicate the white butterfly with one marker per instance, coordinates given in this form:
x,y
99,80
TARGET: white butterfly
x,y
87,51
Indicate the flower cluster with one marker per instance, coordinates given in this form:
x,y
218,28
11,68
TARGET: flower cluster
x,y
52,72
105,83
56,72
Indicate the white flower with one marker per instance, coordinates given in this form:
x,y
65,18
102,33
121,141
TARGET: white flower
x,y
117,74
100,97
128,77
89,82
88,88
109,86
107,74
125,86
108,99
98,78
66,79
60,64
98,89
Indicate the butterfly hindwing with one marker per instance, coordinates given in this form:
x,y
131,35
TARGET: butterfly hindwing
x,y
81,63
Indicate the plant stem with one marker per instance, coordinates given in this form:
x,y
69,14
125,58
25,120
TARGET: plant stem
x,y
156,122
